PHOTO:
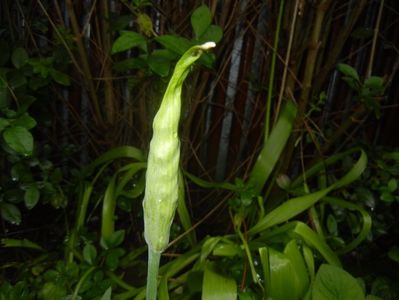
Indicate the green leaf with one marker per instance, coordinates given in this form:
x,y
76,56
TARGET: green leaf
x,y
214,33
295,206
159,62
218,287
31,197
24,243
174,43
19,139
116,238
112,258
25,121
392,185
16,79
3,123
348,71
271,151
374,82
89,253
365,217
130,64
52,291
107,294
332,224
10,213
60,77
128,40
301,275
333,283
305,233
201,19
19,57
211,185
113,154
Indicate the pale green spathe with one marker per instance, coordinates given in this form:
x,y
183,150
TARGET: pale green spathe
x,y
161,192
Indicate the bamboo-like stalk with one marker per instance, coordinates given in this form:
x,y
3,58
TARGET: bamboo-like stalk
x,y
375,36
109,102
272,71
84,60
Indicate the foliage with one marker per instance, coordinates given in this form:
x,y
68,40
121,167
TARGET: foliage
x,y
290,225
32,177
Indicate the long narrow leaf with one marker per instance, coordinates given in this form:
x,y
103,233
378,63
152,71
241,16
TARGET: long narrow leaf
x,y
313,239
295,206
366,222
115,153
271,151
182,212
210,185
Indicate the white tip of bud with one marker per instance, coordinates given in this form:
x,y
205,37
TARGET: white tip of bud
x,y
208,45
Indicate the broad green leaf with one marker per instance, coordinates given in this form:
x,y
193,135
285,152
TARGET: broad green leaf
x,y
160,63
174,43
301,275
201,19
271,151
130,64
218,287
89,253
128,40
3,124
19,57
112,258
392,185
348,71
25,121
60,77
32,195
10,213
374,82
24,243
214,33
333,283
282,277
19,139
227,248
52,291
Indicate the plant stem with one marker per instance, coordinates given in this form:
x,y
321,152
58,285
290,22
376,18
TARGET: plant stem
x,y
152,274
80,282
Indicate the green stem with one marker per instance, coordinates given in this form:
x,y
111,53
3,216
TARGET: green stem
x,y
81,281
154,259
120,282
